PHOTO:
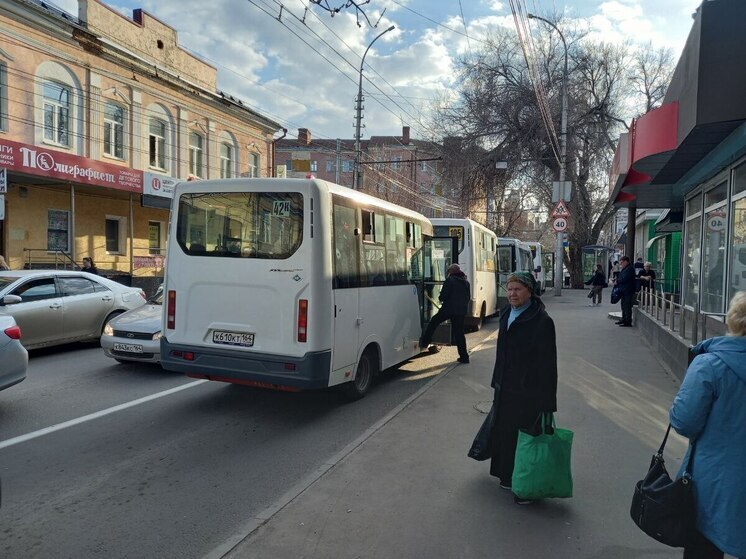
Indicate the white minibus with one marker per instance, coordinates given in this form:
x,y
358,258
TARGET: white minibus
x,y
292,283
476,257
539,270
512,256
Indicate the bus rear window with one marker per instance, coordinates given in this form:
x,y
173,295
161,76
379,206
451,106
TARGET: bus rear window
x,y
240,224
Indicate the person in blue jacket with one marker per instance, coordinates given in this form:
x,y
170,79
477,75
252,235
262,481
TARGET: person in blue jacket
x,y
710,409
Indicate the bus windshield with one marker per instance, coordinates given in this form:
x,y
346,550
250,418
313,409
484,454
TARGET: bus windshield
x,y
240,224
451,231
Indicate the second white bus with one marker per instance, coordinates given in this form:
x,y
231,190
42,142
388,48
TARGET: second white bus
x,y
476,257
291,284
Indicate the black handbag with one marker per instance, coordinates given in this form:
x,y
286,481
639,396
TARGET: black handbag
x,y
616,294
663,508
481,448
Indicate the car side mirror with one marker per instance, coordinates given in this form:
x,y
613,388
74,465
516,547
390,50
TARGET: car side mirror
x,y
11,300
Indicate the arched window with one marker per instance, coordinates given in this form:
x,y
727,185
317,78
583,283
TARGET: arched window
x,y
196,154
114,119
160,143
58,110
228,155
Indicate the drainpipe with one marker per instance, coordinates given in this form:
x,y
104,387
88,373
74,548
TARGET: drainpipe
x,y
274,153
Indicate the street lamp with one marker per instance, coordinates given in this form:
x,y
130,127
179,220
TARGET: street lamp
x,y
358,116
559,251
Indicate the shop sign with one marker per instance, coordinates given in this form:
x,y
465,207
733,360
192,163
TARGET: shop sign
x,y
140,262
44,162
159,185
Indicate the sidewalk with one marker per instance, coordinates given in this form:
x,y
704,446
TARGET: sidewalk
x,y
409,490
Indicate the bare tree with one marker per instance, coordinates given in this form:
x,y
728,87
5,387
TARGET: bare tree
x,y
651,73
497,110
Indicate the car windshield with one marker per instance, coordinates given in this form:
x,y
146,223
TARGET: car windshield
x,y
5,281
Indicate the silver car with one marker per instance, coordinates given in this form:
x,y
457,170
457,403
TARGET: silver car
x,y
13,356
136,335
57,307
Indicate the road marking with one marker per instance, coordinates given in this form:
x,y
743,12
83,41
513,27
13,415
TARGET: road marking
x,y
96,415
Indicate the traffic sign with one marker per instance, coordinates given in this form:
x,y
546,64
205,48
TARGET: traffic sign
x,y
560,210
559,224
716,221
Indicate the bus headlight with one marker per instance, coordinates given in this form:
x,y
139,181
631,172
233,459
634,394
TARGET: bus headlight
x,y
108,330
157,336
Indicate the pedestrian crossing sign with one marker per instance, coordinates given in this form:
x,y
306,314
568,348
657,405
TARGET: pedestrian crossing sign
x,y
560,210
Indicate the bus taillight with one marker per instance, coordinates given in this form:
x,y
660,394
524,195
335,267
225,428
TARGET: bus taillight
x,y
302,319
171,310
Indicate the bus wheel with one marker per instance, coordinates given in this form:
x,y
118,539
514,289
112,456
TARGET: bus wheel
x,y
367,368
480,321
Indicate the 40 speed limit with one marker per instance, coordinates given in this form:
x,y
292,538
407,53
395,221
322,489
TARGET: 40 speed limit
x,y
559,224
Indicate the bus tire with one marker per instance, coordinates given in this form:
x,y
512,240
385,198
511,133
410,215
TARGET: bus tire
x,y
367,369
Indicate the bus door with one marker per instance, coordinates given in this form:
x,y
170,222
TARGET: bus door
x,y
439,254
346,286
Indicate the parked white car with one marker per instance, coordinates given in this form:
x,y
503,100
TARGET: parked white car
x,y
136,335
57,307
13,356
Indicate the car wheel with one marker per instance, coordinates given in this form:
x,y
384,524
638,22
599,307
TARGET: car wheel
x,y
108,318
367,368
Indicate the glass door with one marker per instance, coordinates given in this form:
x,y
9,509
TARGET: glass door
x,y
439,254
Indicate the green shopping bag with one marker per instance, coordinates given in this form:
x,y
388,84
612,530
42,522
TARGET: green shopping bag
x,y
542,461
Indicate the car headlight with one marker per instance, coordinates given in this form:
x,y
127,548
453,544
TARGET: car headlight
x,y
157,336
108,330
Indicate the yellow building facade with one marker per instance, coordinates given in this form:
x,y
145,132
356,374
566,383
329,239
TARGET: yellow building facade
x,y
100,115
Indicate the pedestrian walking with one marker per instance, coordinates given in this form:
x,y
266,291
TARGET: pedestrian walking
x,y
597,283
455,297
3,263
89,266
525,373
709,410
626,283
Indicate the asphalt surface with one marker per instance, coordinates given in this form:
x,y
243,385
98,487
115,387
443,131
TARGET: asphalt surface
x,y
100,459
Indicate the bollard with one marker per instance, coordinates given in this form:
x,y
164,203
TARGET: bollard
x,y
673,313
665,308
695,323
682,318
704,326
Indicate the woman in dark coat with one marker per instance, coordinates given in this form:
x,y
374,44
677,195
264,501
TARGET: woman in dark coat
x,y
525,375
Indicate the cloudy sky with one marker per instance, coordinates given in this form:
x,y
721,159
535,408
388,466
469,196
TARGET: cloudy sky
x,y
302,71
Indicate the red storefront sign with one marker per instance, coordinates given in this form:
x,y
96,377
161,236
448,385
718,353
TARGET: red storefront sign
x,y
44,162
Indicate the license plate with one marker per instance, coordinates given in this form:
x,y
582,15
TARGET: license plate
x,y
129,348
233,338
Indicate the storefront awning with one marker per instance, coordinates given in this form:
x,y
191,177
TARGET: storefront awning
x,y
670,221
652,241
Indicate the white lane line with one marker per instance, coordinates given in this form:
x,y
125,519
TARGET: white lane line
x,y
96,415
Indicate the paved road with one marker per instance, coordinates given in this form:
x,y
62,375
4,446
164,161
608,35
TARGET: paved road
x,y
108,460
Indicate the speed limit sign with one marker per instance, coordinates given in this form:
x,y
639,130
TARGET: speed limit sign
x,y
559,224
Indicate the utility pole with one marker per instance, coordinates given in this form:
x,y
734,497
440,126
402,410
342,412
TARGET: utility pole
x,y
358,113
559,249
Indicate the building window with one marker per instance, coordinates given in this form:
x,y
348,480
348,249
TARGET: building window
x,y
114,227
155,237
254,165
114,130
157,147
692,246
738,244
330,166
396,164
423,166
226,161
196,150
314,166
56,113
347,166
58,230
